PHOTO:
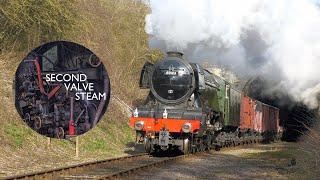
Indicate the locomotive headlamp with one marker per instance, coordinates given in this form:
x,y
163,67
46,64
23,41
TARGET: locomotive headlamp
x,y
139,125
135,113
165,114
186,128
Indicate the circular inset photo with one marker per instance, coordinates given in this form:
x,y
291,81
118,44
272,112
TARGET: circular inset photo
x,y
61,89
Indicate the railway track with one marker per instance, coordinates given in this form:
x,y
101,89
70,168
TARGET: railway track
x,y
104,169
110,168
119,169
55,173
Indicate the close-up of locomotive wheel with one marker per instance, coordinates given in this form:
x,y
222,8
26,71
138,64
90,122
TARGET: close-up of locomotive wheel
x,y
148,146
59,133
94,61
186,146
27,118
37,122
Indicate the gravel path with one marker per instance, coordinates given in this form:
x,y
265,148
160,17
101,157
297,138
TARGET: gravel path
x,y
252,162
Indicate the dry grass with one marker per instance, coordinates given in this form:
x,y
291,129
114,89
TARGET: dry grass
x,y
112,29
309,153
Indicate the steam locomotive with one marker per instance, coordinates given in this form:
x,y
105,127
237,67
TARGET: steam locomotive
x,y
190,109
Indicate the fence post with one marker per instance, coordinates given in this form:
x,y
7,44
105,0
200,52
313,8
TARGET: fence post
x,y
48,141
77,146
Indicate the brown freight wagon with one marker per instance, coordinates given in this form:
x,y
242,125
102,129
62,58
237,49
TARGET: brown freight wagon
x,y
270,118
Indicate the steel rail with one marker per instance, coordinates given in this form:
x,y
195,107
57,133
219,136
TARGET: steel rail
x,y
69,168
128,171
67,172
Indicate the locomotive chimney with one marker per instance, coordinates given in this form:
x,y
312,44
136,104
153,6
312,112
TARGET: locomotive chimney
x,y
175,54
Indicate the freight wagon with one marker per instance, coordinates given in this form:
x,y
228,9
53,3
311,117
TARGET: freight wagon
x,y
260,119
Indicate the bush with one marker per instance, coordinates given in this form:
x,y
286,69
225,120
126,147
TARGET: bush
x,y
25,23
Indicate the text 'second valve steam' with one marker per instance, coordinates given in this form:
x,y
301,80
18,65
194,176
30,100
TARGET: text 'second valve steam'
x,y
77,83
61,89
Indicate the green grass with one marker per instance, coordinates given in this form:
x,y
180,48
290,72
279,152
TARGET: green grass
x,y
98,144
17,134
128,132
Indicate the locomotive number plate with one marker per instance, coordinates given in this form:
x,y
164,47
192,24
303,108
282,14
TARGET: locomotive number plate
x,y
164,138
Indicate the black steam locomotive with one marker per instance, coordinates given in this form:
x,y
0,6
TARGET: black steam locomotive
x,y
190,109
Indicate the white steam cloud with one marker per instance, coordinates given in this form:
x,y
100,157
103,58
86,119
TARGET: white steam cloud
x,y
277,39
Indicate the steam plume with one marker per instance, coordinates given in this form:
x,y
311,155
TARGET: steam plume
x,y
276,39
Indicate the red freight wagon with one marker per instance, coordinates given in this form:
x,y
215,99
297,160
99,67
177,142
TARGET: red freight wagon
x,y
247,113
257,116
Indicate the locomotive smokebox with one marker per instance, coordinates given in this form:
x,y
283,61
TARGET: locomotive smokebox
x,y
172,79
175,54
